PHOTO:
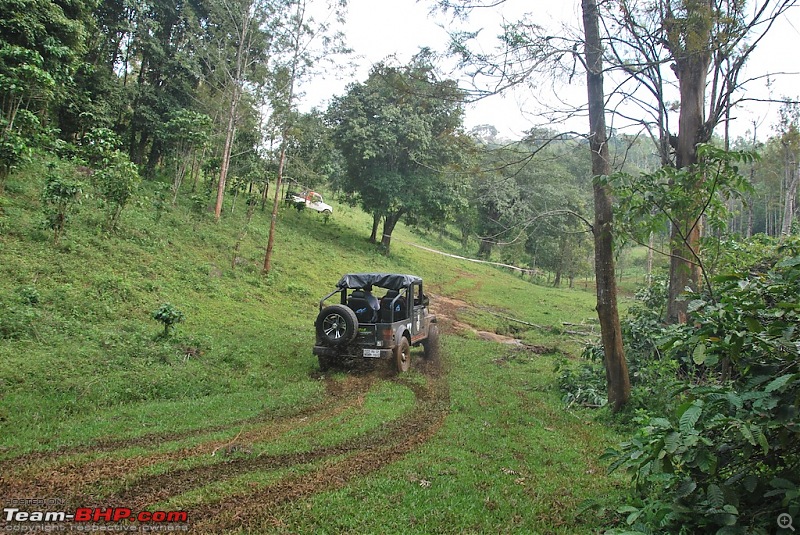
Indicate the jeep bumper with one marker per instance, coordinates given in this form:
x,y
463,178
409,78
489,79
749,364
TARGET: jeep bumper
x,y
352,352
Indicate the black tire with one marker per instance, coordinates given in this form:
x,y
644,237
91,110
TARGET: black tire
x,y
431,344
337,325
324,363
402,355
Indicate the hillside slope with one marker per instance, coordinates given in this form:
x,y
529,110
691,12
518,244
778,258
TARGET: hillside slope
x,y
231,413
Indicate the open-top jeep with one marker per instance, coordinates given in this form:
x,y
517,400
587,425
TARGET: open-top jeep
x,y
362,325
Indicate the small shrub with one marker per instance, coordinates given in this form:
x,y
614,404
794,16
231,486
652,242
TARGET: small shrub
x,y
59,198
28,295
115,182
584,385
169,316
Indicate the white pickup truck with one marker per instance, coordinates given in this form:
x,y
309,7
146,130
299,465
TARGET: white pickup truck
x,y
309,199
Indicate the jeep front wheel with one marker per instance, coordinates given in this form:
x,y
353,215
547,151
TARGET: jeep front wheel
x,y
431,343
402,355
337,325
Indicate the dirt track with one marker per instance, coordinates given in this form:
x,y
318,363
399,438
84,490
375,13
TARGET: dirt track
x,y
79,475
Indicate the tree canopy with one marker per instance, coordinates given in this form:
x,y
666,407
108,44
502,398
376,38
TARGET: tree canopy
x,y
397,133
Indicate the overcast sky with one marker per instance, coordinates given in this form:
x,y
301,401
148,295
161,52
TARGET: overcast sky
x,y
377,29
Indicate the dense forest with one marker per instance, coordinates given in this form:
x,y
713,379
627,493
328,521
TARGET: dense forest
x,y
204,95
201,99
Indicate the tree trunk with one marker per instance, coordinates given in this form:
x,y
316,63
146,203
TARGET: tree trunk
x,y
376,221
484,248
284,135
230,134
275,204
651,246
692,58
791,173
389,223
619,385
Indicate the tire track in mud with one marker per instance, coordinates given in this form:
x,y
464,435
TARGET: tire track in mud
x,y
244,511
76,480
49,474
353,386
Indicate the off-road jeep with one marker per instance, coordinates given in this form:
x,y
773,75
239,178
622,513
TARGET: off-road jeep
x,y
364,326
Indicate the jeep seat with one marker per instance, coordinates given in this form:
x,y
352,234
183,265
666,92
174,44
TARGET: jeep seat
x,y
399,307
358,303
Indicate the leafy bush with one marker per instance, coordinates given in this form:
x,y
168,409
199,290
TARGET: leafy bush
x,y
99,144
585,385
59,196
115,182
725,455
168,315
13,152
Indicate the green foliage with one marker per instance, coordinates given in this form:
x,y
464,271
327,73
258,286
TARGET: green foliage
x,y
28,295
653,373
41,41
13,152
585,386
115,182
397,133
169,316
681,198
650,201
98,145
59,197
723,454
186,133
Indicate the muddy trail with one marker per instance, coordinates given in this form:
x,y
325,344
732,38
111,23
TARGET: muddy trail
x,y
148,472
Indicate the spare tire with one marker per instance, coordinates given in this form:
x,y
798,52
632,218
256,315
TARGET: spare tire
x,y
337,325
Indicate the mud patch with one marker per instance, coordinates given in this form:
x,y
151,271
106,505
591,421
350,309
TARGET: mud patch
x,y
79,475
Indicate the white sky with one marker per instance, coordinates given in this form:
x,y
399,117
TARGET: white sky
x,y
376,29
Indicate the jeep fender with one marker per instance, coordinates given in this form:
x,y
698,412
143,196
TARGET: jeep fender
x,y
403,330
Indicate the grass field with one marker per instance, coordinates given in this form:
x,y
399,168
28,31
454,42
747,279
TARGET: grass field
x,y
230,418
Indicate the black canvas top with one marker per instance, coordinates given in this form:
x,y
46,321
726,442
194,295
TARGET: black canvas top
x,y
390,281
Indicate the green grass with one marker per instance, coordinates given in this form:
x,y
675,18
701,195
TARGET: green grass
x,y
81,363
508,459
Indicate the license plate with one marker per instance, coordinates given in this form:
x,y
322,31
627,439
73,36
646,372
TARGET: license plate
x,y
372,353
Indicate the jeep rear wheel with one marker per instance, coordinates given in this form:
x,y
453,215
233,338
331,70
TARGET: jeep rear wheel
x,y
337,325
402,355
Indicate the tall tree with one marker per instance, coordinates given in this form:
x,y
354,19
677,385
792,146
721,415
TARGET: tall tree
x,y
397,132
705,43
301,45
240,40
619,385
